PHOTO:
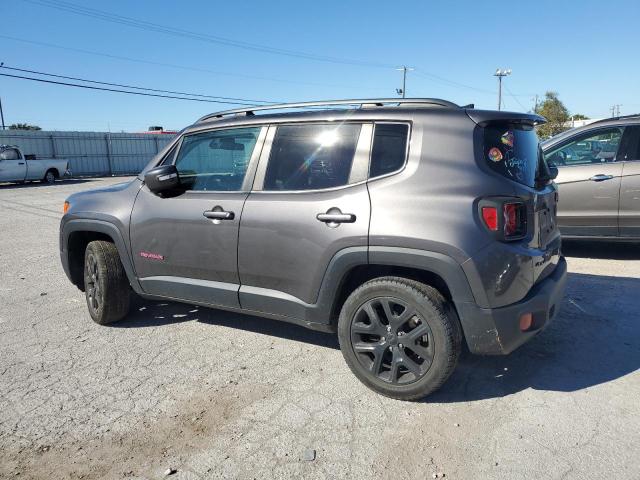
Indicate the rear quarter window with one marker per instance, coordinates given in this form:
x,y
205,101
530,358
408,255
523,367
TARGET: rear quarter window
x,y
513,151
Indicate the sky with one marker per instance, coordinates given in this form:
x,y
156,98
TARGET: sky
x,y
289,51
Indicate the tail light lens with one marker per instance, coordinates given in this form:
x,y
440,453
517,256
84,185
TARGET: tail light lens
x,y
515,219
490,217
504,217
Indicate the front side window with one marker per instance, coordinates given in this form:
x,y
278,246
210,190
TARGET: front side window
x,y
9,154
309,157
589,148
216,160
389,148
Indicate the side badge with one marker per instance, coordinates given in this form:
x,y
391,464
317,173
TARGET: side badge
x,y
151,256
495,155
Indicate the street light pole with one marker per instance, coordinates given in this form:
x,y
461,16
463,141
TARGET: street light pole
x,y
501,73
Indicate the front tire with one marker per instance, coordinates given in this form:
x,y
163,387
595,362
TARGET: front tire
x,y
400,337
106,285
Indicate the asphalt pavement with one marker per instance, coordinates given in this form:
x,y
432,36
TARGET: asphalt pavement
x,y
199,393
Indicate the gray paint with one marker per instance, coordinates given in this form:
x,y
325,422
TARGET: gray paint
x,y
610,208
275,258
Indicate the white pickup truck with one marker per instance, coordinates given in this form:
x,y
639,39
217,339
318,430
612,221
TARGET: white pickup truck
x,y
17,167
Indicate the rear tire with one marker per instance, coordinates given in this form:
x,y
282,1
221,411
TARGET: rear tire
x,y
106,285
50,176
400,337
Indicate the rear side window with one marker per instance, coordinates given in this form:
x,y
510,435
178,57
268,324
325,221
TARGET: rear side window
x,y
389,148
217,160
513,151
309,157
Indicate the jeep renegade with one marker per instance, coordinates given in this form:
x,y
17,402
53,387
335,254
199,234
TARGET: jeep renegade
x,y
407,226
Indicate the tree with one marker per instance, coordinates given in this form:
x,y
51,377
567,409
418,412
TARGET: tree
x,y
23,126
556,114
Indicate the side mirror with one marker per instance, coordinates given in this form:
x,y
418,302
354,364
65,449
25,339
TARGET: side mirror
x,y
162,179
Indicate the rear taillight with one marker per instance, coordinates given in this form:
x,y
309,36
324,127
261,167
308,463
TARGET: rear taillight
x,y
515,219
506,218
490,217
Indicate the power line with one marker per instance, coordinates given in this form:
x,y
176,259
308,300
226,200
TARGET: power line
x,y
524,109
182,67
24,70
91,87
155,27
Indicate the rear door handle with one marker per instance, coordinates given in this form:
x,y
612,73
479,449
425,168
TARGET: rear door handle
x,y
601,178
336,217
218,214
21,163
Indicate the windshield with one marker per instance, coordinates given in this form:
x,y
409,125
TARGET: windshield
x,y
513,151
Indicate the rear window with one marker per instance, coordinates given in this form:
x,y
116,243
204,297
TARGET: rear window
x,y
512,151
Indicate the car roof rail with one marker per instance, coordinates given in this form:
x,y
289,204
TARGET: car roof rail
x,y
621,117
360,103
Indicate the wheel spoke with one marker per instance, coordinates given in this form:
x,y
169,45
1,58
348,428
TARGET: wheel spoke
x,y
396,362
376,322
421,330
412,366
377,359
426,353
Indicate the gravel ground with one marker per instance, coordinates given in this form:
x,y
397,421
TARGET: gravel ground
x,y
219,395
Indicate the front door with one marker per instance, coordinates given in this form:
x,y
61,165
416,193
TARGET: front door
x,y
588,182
185,246
310,201
12,166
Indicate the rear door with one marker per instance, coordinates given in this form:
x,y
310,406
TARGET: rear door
x,y
309,201
589,182
185,246
630,186
12,166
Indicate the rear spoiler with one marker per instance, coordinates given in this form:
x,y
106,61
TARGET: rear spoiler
x,y
484,117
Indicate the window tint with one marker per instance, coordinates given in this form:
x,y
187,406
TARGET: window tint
x,y
513,151
594,147
10,154
307,157
217,160
629,149
389,148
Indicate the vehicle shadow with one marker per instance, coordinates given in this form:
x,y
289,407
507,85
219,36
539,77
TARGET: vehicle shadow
x,y
595,339
70,181
604,250
153,314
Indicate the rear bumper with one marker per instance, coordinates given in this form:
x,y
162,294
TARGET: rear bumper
x,y
496,331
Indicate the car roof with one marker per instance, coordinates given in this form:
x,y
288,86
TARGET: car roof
x,y
606,122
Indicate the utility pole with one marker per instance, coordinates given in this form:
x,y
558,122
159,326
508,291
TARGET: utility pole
x,y
615,110
535,104
403,91
2,115
501,73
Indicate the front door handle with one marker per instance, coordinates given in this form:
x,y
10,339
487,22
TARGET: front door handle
x,y
21,163
601,178
218,214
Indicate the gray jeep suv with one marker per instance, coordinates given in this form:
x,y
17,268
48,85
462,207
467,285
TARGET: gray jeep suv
x,y
407,226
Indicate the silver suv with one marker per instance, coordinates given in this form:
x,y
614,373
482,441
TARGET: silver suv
x,y
407,226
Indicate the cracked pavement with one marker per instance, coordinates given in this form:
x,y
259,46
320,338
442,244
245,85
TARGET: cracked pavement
x,y
219,395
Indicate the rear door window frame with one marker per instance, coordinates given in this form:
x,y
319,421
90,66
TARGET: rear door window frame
x,y
406,153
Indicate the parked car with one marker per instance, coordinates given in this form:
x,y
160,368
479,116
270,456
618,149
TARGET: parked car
x,y
599,179
407,226
17,167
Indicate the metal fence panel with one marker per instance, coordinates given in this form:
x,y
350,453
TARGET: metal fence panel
x,y
90,153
